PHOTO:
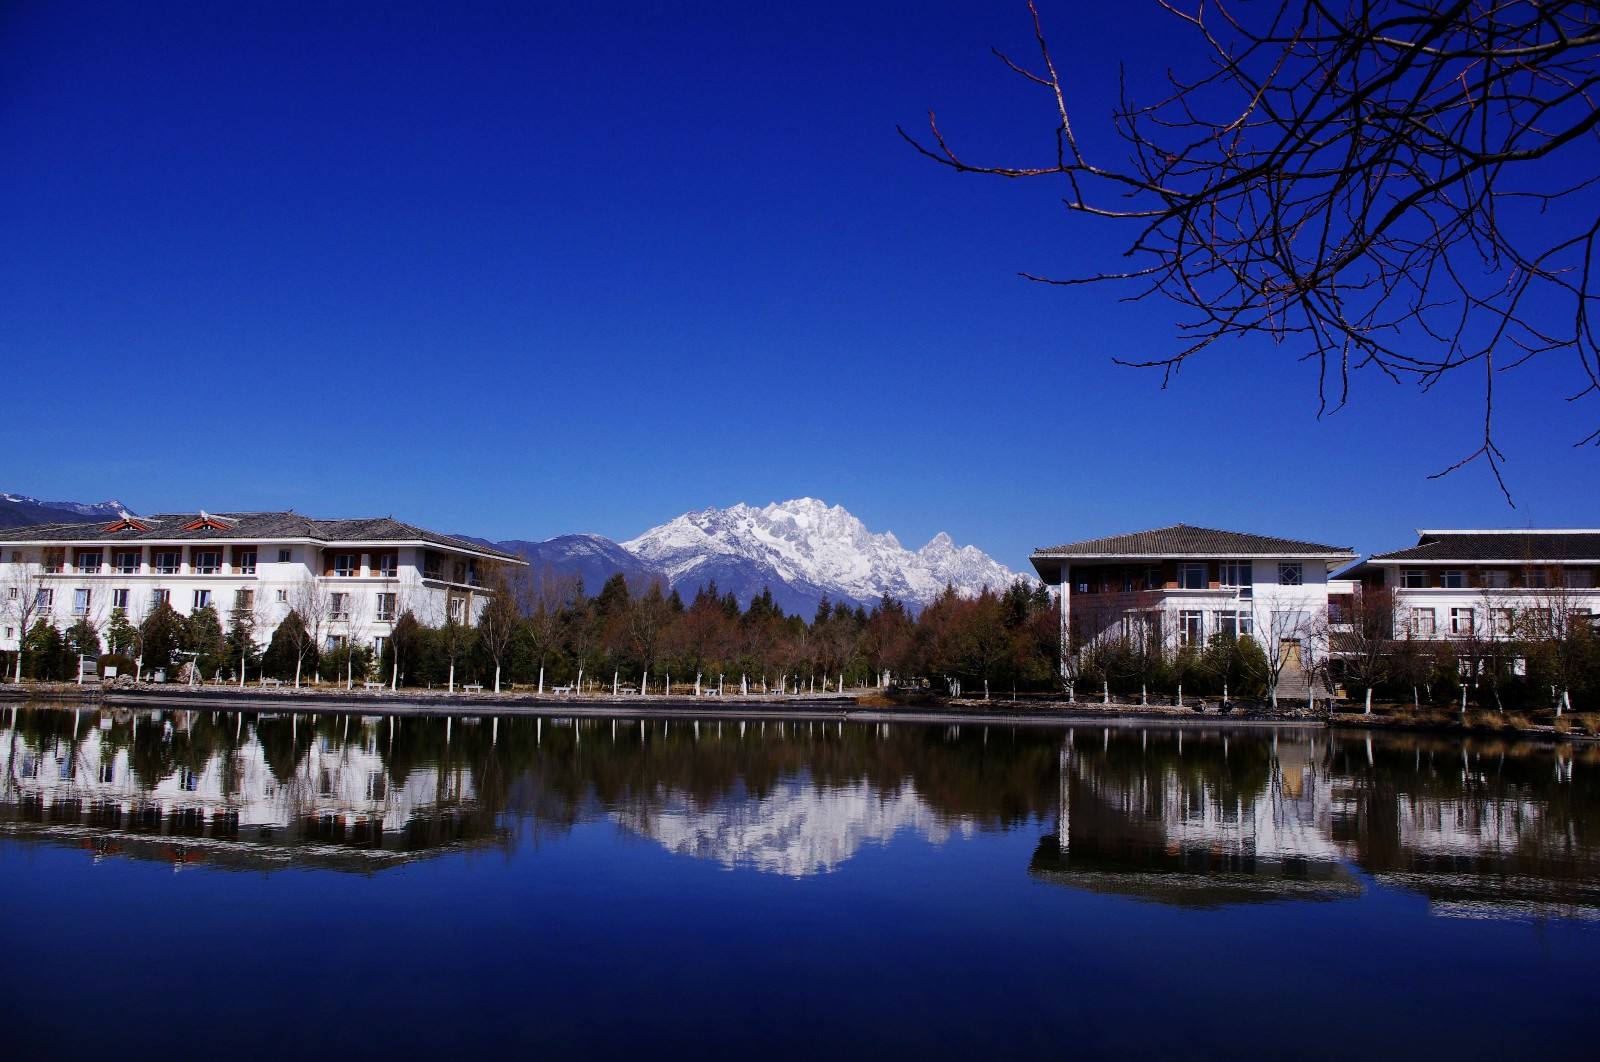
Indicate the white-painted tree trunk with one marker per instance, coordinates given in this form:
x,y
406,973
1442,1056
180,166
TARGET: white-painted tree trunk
x,y
541,682
452,689
1368,710
497,683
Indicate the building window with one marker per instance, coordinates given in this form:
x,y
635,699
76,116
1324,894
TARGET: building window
x,y
388,565
245,561
458,572
345,565
244,600
378,645
202,599
283,597
45,599
1496,578
88,561
1462,621
1191,627
119,599
335,642
1538,578
11,632
340,606
1240,624
80,602
126,562
1192,576
386,603
1454,579
167,563
285,556
457,607
1291,573
1414,579
1240,576
207,562
1129,581
1577,579
1422,622
161,597
54,560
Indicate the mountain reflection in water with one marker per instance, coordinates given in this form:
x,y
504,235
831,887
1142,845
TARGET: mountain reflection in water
x,y
1187,817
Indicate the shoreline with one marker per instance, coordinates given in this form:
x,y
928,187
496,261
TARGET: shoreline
x,y
807,708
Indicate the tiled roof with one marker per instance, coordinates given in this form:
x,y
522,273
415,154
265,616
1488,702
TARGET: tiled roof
x,y
167,527
1184,540
1499,546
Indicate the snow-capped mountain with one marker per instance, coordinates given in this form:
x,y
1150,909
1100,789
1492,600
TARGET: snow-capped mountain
x,y
19,510
804,550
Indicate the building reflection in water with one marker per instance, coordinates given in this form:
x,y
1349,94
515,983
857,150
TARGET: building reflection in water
x,y
1189,817
192,787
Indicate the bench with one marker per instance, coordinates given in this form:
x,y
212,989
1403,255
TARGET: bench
x,y
272,682
373,685
561,689
472,687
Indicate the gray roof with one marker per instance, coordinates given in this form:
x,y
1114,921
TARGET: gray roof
x,y
247,527
1523,546
1182,540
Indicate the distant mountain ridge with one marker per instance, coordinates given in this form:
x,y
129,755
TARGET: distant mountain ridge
x,y
805,549
19,510
591,558
801,550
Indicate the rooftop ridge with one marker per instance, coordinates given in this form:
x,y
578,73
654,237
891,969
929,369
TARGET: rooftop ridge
x,y
1509,531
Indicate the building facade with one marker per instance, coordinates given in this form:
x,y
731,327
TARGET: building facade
x,y
1489,585
1179,585
350,580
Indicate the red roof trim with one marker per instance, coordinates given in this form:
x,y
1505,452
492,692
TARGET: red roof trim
x,y
127,523
206,523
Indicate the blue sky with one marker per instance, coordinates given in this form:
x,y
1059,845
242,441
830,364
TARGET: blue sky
x,y
518,270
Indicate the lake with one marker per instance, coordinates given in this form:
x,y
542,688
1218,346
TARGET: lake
x,y
258,886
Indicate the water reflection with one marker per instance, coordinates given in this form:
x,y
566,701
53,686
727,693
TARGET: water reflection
x,y
1184,817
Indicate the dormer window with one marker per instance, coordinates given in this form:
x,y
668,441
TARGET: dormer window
x,y
126,523
207,522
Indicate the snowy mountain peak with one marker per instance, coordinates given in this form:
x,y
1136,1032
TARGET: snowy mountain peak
x,y
814,550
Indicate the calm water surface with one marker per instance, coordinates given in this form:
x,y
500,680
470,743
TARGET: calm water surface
x,y
256,886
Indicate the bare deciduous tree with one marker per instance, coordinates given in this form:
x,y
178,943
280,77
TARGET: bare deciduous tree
x,y
22,600
1382,185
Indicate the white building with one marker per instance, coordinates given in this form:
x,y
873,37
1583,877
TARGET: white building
x,y
1489,584
349,579
1179,585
